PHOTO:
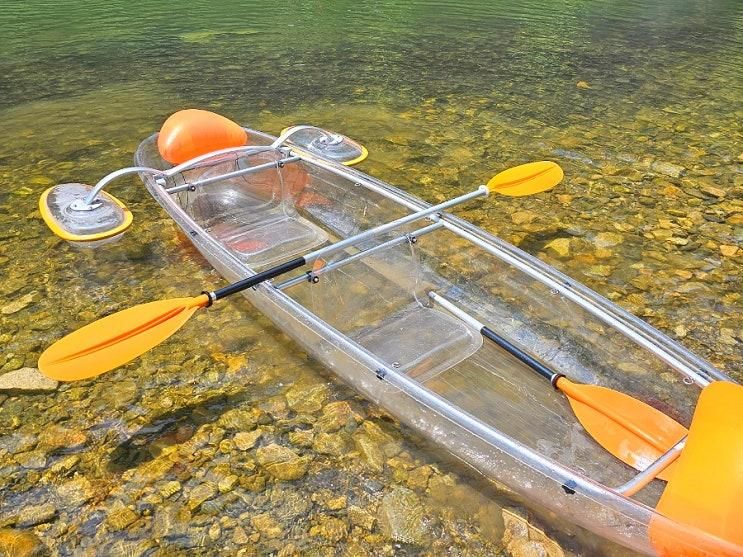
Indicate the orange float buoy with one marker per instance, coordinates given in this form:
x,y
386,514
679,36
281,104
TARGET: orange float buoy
x,y
192,132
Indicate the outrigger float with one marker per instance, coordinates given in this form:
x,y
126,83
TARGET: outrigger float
x,y
454,331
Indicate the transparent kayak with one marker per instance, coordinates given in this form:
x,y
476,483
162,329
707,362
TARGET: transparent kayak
x,y
368,314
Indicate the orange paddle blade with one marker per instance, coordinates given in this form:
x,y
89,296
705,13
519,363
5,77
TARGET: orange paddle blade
x,y
634,432
526,179
116,339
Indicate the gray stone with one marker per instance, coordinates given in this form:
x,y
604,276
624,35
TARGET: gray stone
x,y
36,514
27,379
75,492
33,460
668,169
400,517
19,304
200,493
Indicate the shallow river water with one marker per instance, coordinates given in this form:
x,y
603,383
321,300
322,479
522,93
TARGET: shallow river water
x,y
640,102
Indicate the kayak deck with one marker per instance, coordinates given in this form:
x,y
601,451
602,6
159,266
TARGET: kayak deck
x,y
372,319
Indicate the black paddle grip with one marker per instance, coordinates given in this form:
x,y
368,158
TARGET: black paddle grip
x,y
263,276
515,351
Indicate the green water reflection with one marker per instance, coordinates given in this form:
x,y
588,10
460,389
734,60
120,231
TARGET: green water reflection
x,y
641,104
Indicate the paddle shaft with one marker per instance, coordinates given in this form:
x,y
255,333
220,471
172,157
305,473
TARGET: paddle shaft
x,y
490,334
515,351
311,257
255,280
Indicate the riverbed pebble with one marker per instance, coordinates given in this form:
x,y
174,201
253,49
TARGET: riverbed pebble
x,y
26,380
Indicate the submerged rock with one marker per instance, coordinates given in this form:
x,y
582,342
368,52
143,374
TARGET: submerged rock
x,y
282,462
668,169
21,303
36,514
170,521
337,415
608,239
169,488
301,437
361,518
523,217
33,460
137,548
120,516
28,380
266,525
200,493
370,452
329,443
401,517
57,437
331,528
245,440
561,246
15,543
728,251
522,539
75,492
307,398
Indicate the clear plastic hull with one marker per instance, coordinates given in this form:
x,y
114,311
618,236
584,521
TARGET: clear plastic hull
x,y
481,404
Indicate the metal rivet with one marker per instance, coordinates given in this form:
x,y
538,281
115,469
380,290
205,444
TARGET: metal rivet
x,y
395,364
688,381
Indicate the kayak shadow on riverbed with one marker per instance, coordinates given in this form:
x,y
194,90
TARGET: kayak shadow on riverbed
x,y
171,428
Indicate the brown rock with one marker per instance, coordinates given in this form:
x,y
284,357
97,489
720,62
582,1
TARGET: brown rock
x,y
266,525
401,517
21,303
525,540
330,443
301,437
245,440
369,451
608,239
523,217
561,246
75,492
331,528
56,437
119,517
289,550
282,463
728,251
239,536
337,415
307,398
668,169
16,543
201,493
36,514
360,517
